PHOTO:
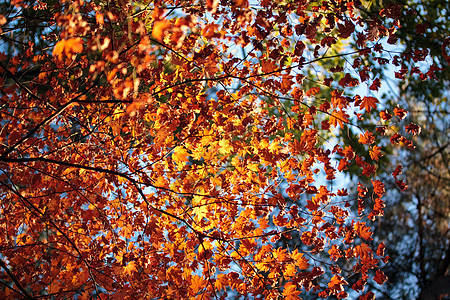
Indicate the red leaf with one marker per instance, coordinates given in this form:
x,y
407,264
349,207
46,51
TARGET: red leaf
x,y
368,296
359,285
401,185
299,47
380,278
312,206
397,171
368,170
393,11
348,80
381,130
346,29
413,128
395,139
380,249
376,84
445,52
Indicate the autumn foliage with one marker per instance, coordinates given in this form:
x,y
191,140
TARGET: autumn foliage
x,y
165,150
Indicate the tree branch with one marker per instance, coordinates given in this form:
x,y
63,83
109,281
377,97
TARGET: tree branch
x,y
11,275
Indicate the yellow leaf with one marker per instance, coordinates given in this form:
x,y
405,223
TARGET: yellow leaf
x,y
225,147
263,144
253,167
200,212
180,155
290,270
129,268
274,147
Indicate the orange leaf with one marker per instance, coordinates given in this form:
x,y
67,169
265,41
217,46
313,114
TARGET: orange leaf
x,y
363,231
160,28
380,249
129,268
337,282
368,103
290,291
312,91
367,138
74,45
375,153
280,254
299,260
268,66
68,47
334,253
197,283
221,281
339,117
211,5
3,20
362,250
400,112
209,30
290,270
378,187
180,155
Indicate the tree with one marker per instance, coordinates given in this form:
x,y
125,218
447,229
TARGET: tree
x,y
160,149
415,225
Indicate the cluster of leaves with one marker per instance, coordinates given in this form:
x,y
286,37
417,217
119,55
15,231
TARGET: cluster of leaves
x,y
419,245
146,158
